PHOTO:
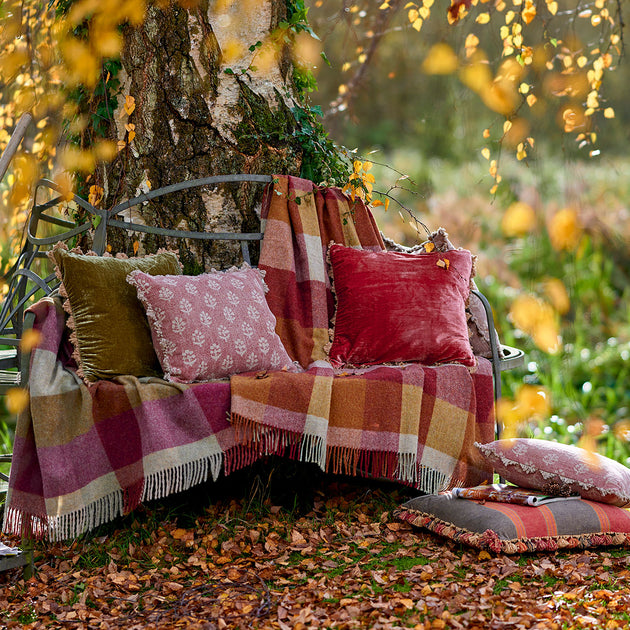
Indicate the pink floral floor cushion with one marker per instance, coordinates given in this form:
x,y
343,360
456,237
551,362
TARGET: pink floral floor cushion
x,y
553,467
211,326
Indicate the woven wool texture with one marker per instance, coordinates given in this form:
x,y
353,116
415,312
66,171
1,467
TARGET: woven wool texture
x,y
412,423
84,455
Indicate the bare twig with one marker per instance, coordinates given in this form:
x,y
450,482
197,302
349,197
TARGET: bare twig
x,y
382,21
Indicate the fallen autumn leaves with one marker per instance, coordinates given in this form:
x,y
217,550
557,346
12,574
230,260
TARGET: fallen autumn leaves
x,y
342,564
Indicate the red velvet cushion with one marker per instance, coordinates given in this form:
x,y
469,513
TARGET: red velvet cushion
x,y
395,307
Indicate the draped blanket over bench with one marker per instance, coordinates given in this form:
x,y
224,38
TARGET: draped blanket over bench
x,y
84,455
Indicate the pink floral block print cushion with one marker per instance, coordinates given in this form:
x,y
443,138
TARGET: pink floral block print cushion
x,y
210,326
559,468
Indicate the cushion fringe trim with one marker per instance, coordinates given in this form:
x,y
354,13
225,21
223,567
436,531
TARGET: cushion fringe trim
x,y
490,541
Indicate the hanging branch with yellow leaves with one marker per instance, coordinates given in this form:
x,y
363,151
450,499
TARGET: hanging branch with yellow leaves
x,y
547,62
360,185
54,63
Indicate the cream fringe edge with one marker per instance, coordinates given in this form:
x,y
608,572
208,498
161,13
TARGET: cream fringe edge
x,y
68,526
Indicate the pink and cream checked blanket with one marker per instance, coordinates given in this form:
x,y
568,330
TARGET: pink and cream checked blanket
x,y
411,423
85,455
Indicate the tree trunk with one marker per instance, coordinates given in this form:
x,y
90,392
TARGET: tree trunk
x,y
192,119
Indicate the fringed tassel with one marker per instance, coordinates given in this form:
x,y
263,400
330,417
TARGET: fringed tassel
x,y
90,516
239,456
490,541
267,440
313,450
401,467
406,470
67,526
165,482
106,509
17,523
430,480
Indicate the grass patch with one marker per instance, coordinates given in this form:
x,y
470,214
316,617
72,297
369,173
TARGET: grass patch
x,y
406,563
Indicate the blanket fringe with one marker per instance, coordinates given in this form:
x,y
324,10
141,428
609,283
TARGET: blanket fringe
x,y
400,467
156,486
16,523
258,440
407,469
239,456
179,478
264,440
66,526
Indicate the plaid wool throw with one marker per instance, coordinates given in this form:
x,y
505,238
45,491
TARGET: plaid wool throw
x,y
300,221
84,455
414,424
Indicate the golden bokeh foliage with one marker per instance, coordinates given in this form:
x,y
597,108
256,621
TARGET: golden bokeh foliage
x,y
16,400
537,318
553,59
518,220
46,50
531,404
565,230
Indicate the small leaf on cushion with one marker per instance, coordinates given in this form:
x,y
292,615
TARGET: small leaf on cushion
x,y
211,326
398,307
541,464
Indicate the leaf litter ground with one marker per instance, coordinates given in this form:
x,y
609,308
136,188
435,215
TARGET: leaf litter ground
x,y
243,554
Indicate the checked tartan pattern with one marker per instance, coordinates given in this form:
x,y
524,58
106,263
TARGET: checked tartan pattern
x,y
411,423
85,455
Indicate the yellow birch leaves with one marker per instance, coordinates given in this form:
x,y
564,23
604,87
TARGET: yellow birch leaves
x,y
535,72
361,182
46,52
418,13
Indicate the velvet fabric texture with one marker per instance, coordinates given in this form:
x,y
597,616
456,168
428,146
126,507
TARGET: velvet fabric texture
x,y
554,468
110,331
211,326
397,307
506,528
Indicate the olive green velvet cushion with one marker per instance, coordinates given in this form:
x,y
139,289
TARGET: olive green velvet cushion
x,y
111,333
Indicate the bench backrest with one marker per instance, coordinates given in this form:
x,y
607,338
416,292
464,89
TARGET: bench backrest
x,y
32,277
